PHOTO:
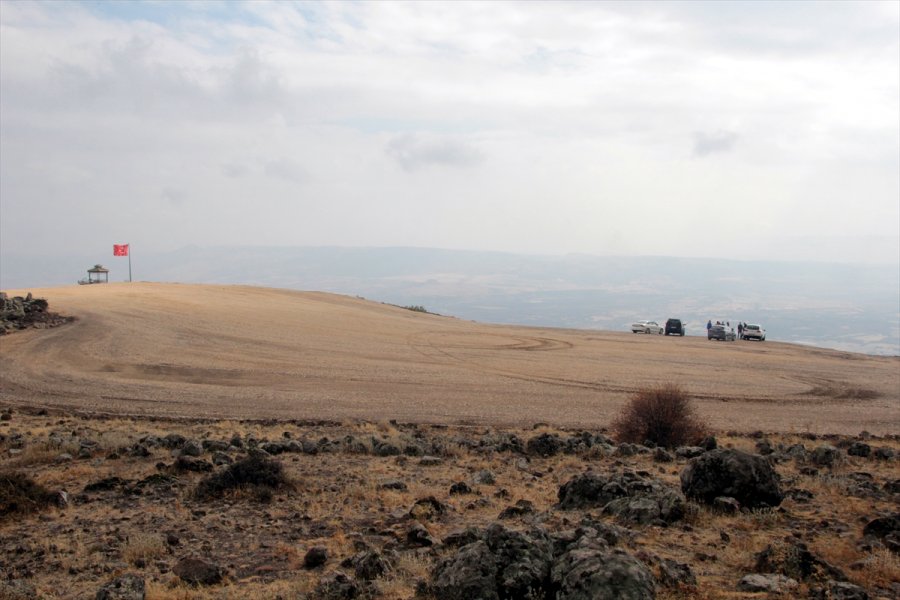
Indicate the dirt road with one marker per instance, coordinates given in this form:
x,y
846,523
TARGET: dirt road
x,y
246,352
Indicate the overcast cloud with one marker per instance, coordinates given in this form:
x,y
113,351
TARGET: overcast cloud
x,y
759,130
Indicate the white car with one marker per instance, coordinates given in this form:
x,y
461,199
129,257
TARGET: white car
x,y
753,332
646,327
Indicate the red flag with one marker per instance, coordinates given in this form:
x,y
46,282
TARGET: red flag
x,y
120,249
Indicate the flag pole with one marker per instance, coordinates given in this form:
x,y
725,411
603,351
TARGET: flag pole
x,y
129,262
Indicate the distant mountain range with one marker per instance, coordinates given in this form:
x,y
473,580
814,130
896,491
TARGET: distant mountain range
x,y
842,306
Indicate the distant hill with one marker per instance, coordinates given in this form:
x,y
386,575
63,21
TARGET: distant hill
x,y
842,306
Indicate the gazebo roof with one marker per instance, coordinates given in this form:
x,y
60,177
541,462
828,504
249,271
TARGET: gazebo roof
x,y
98,269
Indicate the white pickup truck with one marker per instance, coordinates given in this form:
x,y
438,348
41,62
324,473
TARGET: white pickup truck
x,y
753,332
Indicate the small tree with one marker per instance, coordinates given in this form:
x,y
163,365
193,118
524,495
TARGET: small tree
x,y
663,415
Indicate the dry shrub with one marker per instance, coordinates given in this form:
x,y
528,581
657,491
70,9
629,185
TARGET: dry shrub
x,y
256,474
20,494
143,546
663,415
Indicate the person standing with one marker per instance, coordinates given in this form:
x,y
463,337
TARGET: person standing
x,y
741,329
708,325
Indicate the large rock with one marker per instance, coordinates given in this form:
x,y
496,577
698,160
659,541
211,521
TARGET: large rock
x,y
748,478
126,587
793,559
546,444
768,582
589,570
197,571
469,574
632,497
503,564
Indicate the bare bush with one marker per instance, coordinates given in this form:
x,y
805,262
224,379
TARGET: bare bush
x,y
20,494
663,415
259,475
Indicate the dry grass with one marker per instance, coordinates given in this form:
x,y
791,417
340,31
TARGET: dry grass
x,y
339,505
320,356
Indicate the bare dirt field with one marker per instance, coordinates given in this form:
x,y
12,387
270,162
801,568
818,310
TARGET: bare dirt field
x,y
234,352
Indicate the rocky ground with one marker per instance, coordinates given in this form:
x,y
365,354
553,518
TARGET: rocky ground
x,y
148,508
23,312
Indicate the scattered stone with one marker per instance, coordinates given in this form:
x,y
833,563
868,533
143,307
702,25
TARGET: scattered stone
x,y
126,587
17,589
825,455
430,461
459,488
520,508
418,536
885,453
392,484
748,478
315,557
195,465
768,582
689,452
484,477
662,455
544,445
427,509
859,449
633,497
337,586
368,565
675,574
197,571
843,590
726,505
793,559
709,443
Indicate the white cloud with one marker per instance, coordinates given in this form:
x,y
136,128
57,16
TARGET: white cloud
x,y
537,127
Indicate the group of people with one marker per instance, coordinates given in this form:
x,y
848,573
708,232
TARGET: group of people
x,y
741,326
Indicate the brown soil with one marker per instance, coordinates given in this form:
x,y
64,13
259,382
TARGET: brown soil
x,y
238,352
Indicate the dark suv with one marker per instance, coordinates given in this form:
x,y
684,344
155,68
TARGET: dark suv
x,y
674,327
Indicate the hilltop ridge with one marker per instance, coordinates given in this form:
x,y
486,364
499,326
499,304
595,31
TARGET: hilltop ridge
x,y
248,352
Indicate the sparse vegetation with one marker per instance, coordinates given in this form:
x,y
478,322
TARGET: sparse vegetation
x,y
19,494
137,512
663,415
255,474
416,308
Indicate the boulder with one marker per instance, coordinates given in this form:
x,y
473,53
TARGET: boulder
x,y
748,478
632,497
466,575
842,590
337,586
859,449
544,445
315,557
769,582
825,455
588,570
793,559
197,571
125,587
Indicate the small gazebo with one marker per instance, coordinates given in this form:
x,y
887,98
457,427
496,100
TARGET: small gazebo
x,y
96,274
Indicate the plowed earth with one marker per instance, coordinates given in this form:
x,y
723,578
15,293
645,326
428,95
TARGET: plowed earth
x,y
234,352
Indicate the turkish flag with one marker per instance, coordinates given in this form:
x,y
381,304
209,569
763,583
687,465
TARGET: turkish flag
x,y
120,249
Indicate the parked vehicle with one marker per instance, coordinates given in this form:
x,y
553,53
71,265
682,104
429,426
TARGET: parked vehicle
x,y
753,332
675,327
721,333
646,327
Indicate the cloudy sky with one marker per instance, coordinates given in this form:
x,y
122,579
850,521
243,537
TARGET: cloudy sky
x,y
759,130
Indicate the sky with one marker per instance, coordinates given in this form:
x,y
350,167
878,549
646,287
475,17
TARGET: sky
x,y
741,130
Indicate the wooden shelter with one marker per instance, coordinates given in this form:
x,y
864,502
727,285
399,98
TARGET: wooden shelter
x,y
96,274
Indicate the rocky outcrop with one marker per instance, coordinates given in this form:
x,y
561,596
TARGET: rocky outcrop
x,y
575,565
632,497
23,312
748,478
